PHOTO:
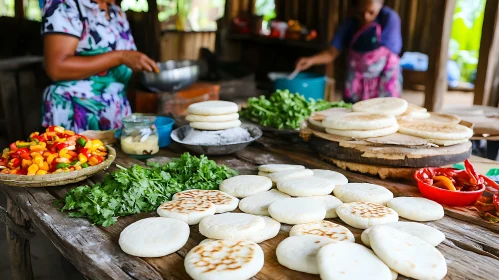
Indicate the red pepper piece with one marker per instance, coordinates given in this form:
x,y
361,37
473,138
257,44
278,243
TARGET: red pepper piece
x,y
475,178
13,147
14,163
61,146
490,182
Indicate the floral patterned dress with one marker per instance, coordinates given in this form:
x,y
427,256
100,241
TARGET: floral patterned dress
x,y
98,102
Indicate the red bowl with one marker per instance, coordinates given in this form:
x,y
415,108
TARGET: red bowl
x,y
446,197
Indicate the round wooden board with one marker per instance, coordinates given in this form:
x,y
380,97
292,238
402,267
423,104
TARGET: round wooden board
x,y
384,172
393,156
57,179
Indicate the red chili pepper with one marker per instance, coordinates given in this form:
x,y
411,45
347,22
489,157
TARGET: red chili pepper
x,y
490,182
475,178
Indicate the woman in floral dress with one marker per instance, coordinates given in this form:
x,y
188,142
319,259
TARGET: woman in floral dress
x,y
90,55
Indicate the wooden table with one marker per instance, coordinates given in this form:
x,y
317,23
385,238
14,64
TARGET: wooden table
x,y
471,248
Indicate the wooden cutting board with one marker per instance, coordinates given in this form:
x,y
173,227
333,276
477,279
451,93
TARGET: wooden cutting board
x,y
410,155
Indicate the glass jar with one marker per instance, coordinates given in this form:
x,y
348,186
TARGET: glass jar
x,y
139,137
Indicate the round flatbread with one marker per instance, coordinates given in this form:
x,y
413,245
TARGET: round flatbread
x,y
259,203
154,237
262,173
435,130
217,118
246,185
364,133
336,177
407,254
415,108
350,261
431,235
231,226
325,229
417,208
187,210
330,204
306,186
213,108
291,174
364,215
272,168
215,125
384,105
363,192
270,230
359,121
224,202
446,143
300,252
224,259
295,211
444,118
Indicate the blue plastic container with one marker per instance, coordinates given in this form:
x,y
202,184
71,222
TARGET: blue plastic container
x,y
164,125
307,84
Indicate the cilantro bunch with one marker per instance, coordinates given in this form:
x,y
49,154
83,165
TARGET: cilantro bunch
x,y
138,189
285,110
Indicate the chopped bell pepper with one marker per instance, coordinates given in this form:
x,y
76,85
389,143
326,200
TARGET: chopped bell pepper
x,y
61,146
81,141
23,153
78,167
62,165
93,160
22,144
444,182
26,163
63,152
32,169
82,158
13,147
50,159
72,154
68,133
14,163
63,160
84,165
41,172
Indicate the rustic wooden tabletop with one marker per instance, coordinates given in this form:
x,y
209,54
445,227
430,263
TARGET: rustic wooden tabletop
x,y
471,248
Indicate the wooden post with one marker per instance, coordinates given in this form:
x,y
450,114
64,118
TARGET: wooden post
x,y
18,246
436,82
489,54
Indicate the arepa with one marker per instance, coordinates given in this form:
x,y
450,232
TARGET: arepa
x,y
222,201
359,121
325,229
364,215
383,105
435,130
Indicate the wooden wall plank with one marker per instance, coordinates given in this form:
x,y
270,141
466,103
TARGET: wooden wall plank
x,y
489,56
436,82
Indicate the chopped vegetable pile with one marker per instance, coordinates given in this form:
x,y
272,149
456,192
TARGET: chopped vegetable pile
x,y
284,109
54,151
139,189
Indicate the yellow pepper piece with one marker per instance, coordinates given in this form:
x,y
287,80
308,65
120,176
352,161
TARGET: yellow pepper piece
x,y
82,158
78,167
44,166
62,160
38,160
41,172
32,169
69,132
50,159
59,129
36,147
96,143
26,163
63,152
43,144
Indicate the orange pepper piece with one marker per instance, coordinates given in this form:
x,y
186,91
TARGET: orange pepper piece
x,y
446,182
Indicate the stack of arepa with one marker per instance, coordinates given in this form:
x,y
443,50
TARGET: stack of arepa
x,y
213,115
380,117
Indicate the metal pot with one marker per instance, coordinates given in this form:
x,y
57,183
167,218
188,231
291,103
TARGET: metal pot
x,y
174,75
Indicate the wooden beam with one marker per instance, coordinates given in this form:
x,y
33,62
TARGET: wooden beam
x,y
436,82
489,55
18,246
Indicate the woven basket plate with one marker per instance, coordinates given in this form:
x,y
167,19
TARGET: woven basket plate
x,y
58,179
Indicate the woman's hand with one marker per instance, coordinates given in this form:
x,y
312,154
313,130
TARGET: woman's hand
x,y
138,61
304,63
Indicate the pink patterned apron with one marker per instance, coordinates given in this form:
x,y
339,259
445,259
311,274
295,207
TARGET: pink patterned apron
x,y
372,74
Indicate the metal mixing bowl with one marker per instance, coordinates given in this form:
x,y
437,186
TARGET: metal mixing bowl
x,y
174,75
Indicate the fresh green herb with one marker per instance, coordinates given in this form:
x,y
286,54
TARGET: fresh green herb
x,y
138,189
284,109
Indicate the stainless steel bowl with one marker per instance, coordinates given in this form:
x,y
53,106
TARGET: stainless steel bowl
x,y
174,75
